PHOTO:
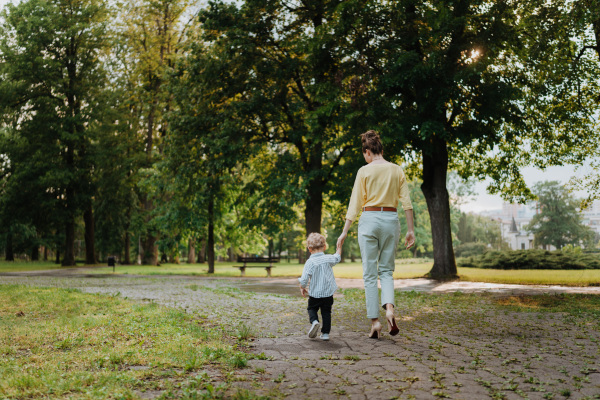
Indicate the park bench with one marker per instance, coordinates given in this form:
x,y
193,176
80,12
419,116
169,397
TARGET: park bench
x,y
254,260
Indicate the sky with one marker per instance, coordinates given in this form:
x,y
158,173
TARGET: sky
x,y
484,201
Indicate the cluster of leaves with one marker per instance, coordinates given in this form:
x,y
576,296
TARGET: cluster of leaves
x,y
559,222
469,249
531,259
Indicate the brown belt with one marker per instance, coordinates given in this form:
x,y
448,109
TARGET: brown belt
x,y
380,209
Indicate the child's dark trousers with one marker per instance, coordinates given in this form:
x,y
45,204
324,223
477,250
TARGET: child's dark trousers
x,y
324,303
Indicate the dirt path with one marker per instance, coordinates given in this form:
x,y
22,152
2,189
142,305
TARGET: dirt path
x,y
457,346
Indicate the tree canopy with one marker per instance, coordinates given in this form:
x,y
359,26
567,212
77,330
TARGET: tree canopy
x,y
558,222
227,126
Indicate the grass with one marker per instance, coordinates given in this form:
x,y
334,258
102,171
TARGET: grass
x,y
17,266
586,277
405,269
283,269
571,303
64,343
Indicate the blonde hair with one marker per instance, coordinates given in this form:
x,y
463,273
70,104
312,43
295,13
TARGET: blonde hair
x,y
316,241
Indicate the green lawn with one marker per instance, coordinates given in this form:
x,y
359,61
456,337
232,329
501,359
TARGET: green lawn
x,y
61,343
283,269
404,269
586,277
16,266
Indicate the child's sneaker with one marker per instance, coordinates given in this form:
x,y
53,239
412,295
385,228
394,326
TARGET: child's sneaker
x,y
325,336
314,328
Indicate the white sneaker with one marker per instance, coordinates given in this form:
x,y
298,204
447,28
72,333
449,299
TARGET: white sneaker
x,y
325,336
314,328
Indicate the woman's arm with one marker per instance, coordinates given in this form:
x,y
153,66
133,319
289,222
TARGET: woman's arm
x,y
410,234
340,241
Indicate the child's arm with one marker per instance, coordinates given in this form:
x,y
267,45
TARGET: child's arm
x,y
303,280
303,291
336,257
338,250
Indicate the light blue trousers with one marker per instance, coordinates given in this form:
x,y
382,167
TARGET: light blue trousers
x,y
378,234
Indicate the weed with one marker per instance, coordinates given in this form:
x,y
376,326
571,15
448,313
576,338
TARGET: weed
x,y
244,332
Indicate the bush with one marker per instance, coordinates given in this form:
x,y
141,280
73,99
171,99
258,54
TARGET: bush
x,y
531,259
469,249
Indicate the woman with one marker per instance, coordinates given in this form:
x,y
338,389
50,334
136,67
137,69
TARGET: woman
x,y
377,188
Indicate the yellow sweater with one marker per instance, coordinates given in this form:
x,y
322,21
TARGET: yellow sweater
x,y
378,185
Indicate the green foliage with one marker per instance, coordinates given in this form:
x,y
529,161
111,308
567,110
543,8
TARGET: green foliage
x,y
469,249
531,259
559,61
474,228
50,99
284,96
559,222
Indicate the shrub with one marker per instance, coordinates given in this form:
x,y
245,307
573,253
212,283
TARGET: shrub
x,y
531,259
469,249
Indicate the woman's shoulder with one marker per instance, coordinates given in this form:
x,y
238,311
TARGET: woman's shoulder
x,y
387,165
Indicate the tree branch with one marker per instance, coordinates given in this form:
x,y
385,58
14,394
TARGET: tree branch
x,y
335,163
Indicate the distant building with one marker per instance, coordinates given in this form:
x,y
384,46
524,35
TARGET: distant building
x,y
591,216
513,218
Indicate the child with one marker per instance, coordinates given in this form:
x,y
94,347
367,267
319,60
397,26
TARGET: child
x,y
318,270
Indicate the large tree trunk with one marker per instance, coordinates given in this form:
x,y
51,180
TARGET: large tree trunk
x,y
271,246
280,245
35,253
231,254
435,168
301,256
127,249
69,256
149,248
314,208
45,253
191,257
90,248
10,254
211,236
202,252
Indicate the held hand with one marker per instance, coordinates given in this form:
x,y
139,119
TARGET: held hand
x,y
340,241
303,292
410,239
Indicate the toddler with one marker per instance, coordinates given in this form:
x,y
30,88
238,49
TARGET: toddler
x,y
318,270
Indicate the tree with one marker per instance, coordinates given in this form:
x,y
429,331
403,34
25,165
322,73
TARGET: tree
x,y
560,64
435,76
558,223
275,66
153,35
52,74
474,228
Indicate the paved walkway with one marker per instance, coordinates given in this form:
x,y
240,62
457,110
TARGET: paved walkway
x,y
451,346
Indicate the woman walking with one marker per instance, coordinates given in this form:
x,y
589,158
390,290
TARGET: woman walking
x,y
378,187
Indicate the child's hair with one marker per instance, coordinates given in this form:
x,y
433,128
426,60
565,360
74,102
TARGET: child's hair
x,y
371,141
316,241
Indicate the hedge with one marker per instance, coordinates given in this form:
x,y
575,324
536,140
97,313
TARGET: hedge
x,y
531,259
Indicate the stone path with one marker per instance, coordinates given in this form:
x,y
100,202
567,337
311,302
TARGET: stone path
x,y
459,346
